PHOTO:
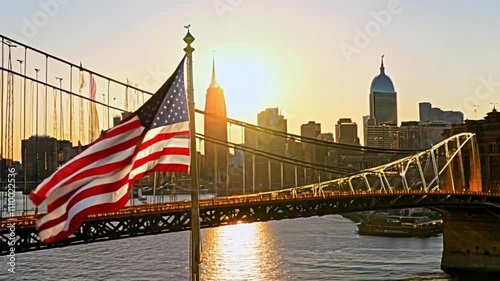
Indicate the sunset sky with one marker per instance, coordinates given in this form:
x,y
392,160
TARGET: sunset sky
x,y
283,53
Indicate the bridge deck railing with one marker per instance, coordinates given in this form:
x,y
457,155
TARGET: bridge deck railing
x,y
29,221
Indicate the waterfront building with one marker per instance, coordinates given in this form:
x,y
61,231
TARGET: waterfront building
x,y
310,130
267,172
43,155
346,131
313,153
431,114
415,136
382,136
487,131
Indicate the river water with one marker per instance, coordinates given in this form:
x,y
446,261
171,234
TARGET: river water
x,y
318,248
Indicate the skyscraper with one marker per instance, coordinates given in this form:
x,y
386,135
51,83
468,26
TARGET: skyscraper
x,y
346,131
310,130
39,157
272,119
215,155
429,114
268,172
42,155
381,128
382,136
383,100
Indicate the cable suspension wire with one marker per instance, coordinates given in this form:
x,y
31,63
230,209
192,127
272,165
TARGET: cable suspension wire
x,y
331,169
233,121
5,38
349,147
336,170
33,80
288,160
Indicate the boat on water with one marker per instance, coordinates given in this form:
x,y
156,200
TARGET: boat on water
x,y
400,226
141,197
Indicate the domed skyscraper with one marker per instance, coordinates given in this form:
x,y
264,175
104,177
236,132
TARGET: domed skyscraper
x,y
383,99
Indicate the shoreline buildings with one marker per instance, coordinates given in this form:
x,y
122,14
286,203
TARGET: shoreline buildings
x,y
265,172
44,154
381,128
487,131
429,114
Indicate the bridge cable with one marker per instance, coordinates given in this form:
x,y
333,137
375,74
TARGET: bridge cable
x,y
288,160
307,139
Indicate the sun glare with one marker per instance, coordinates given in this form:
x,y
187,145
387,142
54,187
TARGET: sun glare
x,y
249,81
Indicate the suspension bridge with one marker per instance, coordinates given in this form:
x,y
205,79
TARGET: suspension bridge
x,y
446,177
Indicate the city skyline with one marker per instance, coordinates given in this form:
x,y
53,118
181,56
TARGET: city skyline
x,y
288,131
213,85
314,63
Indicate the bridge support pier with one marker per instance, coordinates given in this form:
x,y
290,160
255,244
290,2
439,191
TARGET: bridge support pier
x,y
471,238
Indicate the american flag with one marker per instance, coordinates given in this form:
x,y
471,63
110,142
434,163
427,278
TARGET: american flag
x,y
154,138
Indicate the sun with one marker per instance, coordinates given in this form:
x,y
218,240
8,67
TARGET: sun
x,y
250,76
248,84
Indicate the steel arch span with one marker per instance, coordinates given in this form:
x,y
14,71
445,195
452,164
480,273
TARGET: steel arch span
x,y
453,165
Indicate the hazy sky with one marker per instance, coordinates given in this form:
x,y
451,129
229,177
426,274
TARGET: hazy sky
x,y
314,60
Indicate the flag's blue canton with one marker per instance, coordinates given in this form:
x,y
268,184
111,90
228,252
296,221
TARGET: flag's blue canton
x,y
166,109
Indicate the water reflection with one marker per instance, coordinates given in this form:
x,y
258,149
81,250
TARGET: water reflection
x,y
240,252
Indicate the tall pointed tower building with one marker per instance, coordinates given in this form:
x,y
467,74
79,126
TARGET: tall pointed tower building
x,y
215,155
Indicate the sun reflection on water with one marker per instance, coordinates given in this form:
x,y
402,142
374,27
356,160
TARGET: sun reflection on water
x,y
240,252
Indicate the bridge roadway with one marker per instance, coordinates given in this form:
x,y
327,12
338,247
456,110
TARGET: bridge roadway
x,y
150,219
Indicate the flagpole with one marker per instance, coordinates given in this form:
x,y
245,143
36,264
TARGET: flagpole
x,y
195,209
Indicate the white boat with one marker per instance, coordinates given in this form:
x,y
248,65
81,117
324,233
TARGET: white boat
x,y
141,197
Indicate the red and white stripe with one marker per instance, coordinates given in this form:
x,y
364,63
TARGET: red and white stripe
x,y
98,179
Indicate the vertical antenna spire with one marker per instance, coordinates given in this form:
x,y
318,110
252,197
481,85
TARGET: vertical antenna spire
x,y
382,68
213,84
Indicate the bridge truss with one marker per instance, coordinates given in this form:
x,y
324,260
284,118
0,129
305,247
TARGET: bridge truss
x,y
453,165
173,217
